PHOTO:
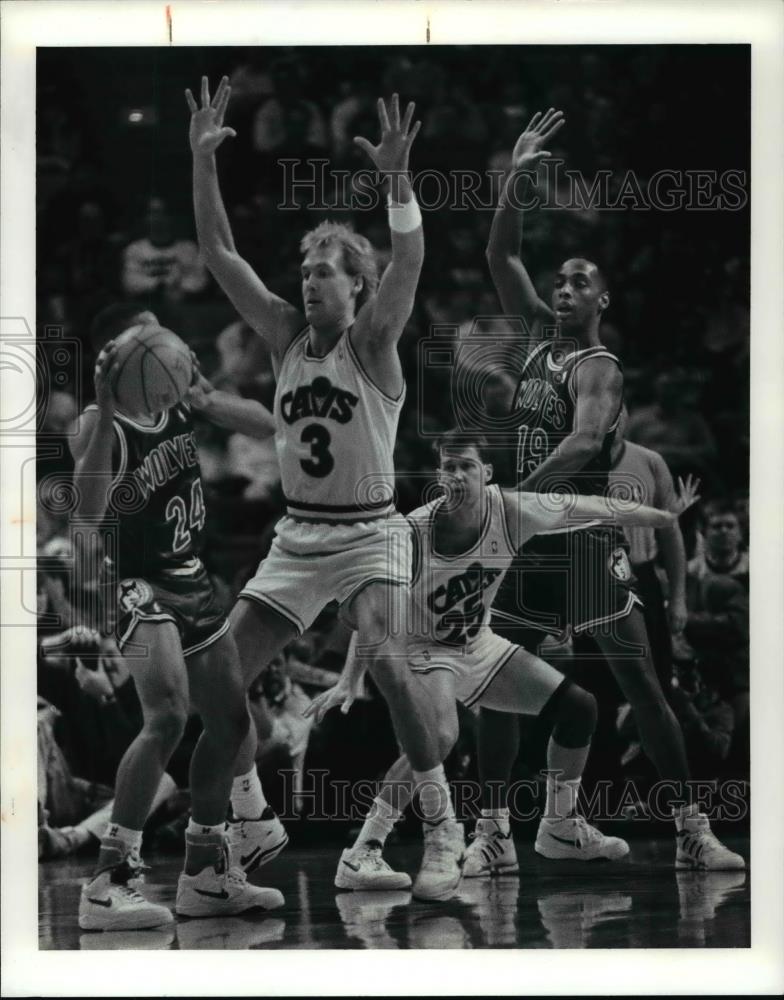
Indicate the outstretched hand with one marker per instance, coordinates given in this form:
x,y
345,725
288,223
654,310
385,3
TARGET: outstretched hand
x,y
339,694
207,130
687,494
390,156
528,150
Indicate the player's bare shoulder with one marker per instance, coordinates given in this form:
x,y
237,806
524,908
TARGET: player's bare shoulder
x,y
599,374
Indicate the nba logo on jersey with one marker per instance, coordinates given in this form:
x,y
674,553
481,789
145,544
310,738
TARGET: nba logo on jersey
x,y
618,565
132,593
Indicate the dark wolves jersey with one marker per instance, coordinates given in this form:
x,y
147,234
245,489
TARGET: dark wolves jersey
x,y
545,403
156,502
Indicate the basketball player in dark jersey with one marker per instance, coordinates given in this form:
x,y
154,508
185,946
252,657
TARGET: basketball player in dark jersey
x,y
567,407
138,477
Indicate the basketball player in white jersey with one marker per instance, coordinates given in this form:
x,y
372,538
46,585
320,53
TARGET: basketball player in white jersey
x,y
464,542
339,393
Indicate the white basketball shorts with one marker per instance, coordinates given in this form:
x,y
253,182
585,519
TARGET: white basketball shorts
x,y
476,669
311,564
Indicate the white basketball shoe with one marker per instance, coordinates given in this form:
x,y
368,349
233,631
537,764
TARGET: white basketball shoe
x,y
699,849
222,891
363,867
574,837
492,851
255,842
442,862
108,902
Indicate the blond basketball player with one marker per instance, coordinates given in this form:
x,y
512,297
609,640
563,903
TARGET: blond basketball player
x,y
339,392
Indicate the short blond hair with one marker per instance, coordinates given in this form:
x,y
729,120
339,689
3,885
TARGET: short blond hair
x,y
359,257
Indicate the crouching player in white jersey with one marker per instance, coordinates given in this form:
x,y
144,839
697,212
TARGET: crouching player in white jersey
x,y
338,397
464,543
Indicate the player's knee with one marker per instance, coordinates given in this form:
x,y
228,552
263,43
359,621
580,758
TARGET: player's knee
x,y
392,677
582,708
229,725
448,731
575,715
166,724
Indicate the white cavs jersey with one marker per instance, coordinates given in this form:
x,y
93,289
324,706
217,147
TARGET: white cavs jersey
x,y
451,596
335,435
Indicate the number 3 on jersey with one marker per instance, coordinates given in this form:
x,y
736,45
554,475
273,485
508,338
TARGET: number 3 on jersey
x,y
321,461
183,521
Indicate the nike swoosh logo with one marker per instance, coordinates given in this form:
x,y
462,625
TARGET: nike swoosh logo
x,y
354,868
564,840
247,858
100,902
213,895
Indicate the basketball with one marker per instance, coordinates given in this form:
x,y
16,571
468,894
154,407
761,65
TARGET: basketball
x,y
153,370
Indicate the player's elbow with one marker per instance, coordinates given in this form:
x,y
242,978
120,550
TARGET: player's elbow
x,y
587,443
500,258
217,258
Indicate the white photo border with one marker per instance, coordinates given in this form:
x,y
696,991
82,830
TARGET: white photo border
x,y
760,969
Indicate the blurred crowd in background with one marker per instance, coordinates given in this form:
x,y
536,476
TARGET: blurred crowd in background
x,y
114,222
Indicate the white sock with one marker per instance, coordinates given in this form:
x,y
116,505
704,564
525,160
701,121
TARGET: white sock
x,y
500,816
247,797
204,846
682,813
561,798
435,802
563,784
378,823
197,831
131,840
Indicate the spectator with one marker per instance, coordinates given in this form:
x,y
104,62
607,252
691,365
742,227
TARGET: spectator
x,y
277,704
673,427
723,552
706,718
158,264
286,117
88,713
717,627
245,362
83,676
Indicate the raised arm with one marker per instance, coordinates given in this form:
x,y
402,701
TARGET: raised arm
x,y
512,281
598,387
93,445
93,450
246,416
381,320
270,316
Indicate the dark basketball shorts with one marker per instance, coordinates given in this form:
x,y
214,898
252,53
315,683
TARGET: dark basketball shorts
x,y
578,580
184,596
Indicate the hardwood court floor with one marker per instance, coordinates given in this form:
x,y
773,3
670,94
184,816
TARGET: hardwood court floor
x,y
641,902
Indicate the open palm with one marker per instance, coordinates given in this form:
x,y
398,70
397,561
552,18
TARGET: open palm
x,y
390,156
528,150
207,130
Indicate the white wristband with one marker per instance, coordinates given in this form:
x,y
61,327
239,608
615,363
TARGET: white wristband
x,y
404,217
